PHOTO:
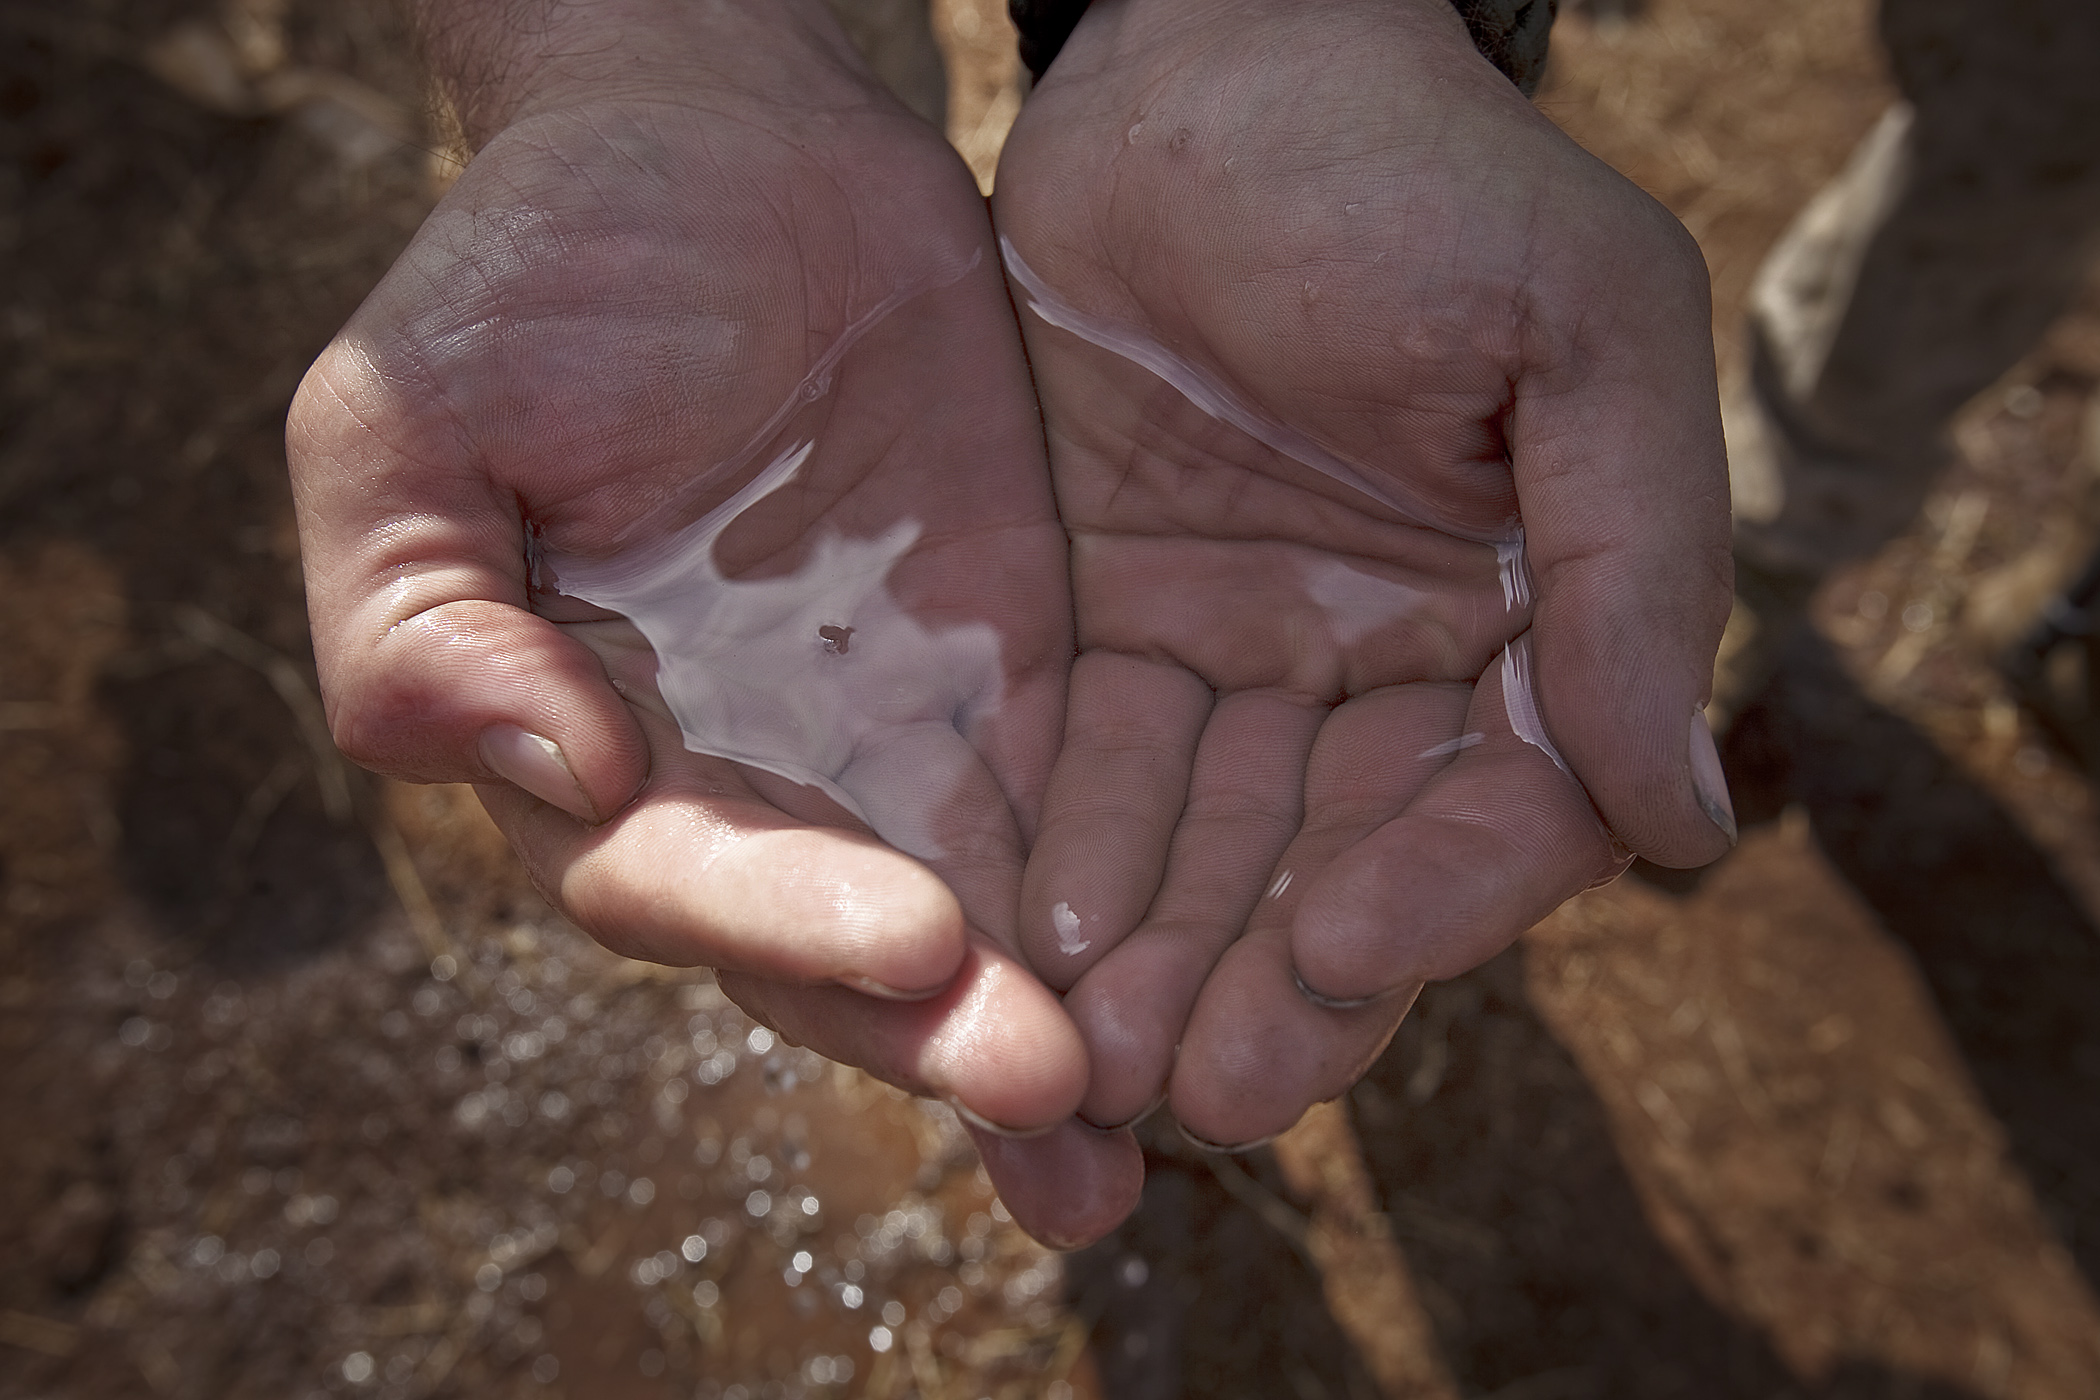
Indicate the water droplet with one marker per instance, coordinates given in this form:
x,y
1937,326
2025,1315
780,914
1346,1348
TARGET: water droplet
x,y
879,1339
1066,923
357,1367
893,1313
758,1203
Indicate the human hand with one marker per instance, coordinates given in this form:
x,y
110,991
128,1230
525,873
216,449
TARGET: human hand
x,y
712,332
1319,309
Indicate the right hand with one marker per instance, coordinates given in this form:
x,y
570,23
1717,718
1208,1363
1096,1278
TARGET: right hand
x,y
670,220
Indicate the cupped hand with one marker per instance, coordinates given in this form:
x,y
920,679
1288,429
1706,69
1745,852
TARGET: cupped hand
x,y
728,310
1383,421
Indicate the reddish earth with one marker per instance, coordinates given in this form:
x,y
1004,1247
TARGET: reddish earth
x,y
306,1093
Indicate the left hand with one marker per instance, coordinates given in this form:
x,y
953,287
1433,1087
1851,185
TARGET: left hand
x,y
1347,309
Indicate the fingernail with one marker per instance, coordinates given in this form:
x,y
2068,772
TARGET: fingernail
x,y
888,993
1208,1146
978,1120
1131,1122
535,764
1328,1003
1708,781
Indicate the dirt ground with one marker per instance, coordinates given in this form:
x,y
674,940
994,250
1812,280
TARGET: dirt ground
x,y
306,1093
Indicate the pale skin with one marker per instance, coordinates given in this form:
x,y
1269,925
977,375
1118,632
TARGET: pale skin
x,y
674,208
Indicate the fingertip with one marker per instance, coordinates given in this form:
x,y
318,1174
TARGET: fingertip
x,y
1709,782
1131,1056
536,763
1068,1187
480,691
1007,1052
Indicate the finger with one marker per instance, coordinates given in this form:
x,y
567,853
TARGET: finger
x,y
699,871
1257,1054
1068,1187
994,1043
997,1048
1616,446
1493,843
432,667
1131,728
1493,839
1244,805
926,792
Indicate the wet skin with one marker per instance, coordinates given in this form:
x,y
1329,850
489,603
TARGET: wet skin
x,y
585,351
645,259
1263,245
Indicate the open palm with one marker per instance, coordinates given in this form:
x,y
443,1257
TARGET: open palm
x,y
746,375
1332,331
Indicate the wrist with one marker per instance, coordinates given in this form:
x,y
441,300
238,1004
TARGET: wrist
x,y
1510,34
500,61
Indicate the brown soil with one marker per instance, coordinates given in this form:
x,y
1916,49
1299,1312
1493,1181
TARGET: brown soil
x,y
308,1094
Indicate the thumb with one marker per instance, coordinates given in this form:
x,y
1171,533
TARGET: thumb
x,y
432,666
1623,482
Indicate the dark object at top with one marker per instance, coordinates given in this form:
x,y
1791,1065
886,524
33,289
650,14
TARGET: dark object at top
x,y
1510,33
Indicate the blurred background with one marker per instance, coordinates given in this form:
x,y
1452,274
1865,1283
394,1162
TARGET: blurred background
x,y
305,1093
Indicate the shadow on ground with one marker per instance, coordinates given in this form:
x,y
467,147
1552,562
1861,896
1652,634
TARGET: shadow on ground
x,y
2012,962
1527,1244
